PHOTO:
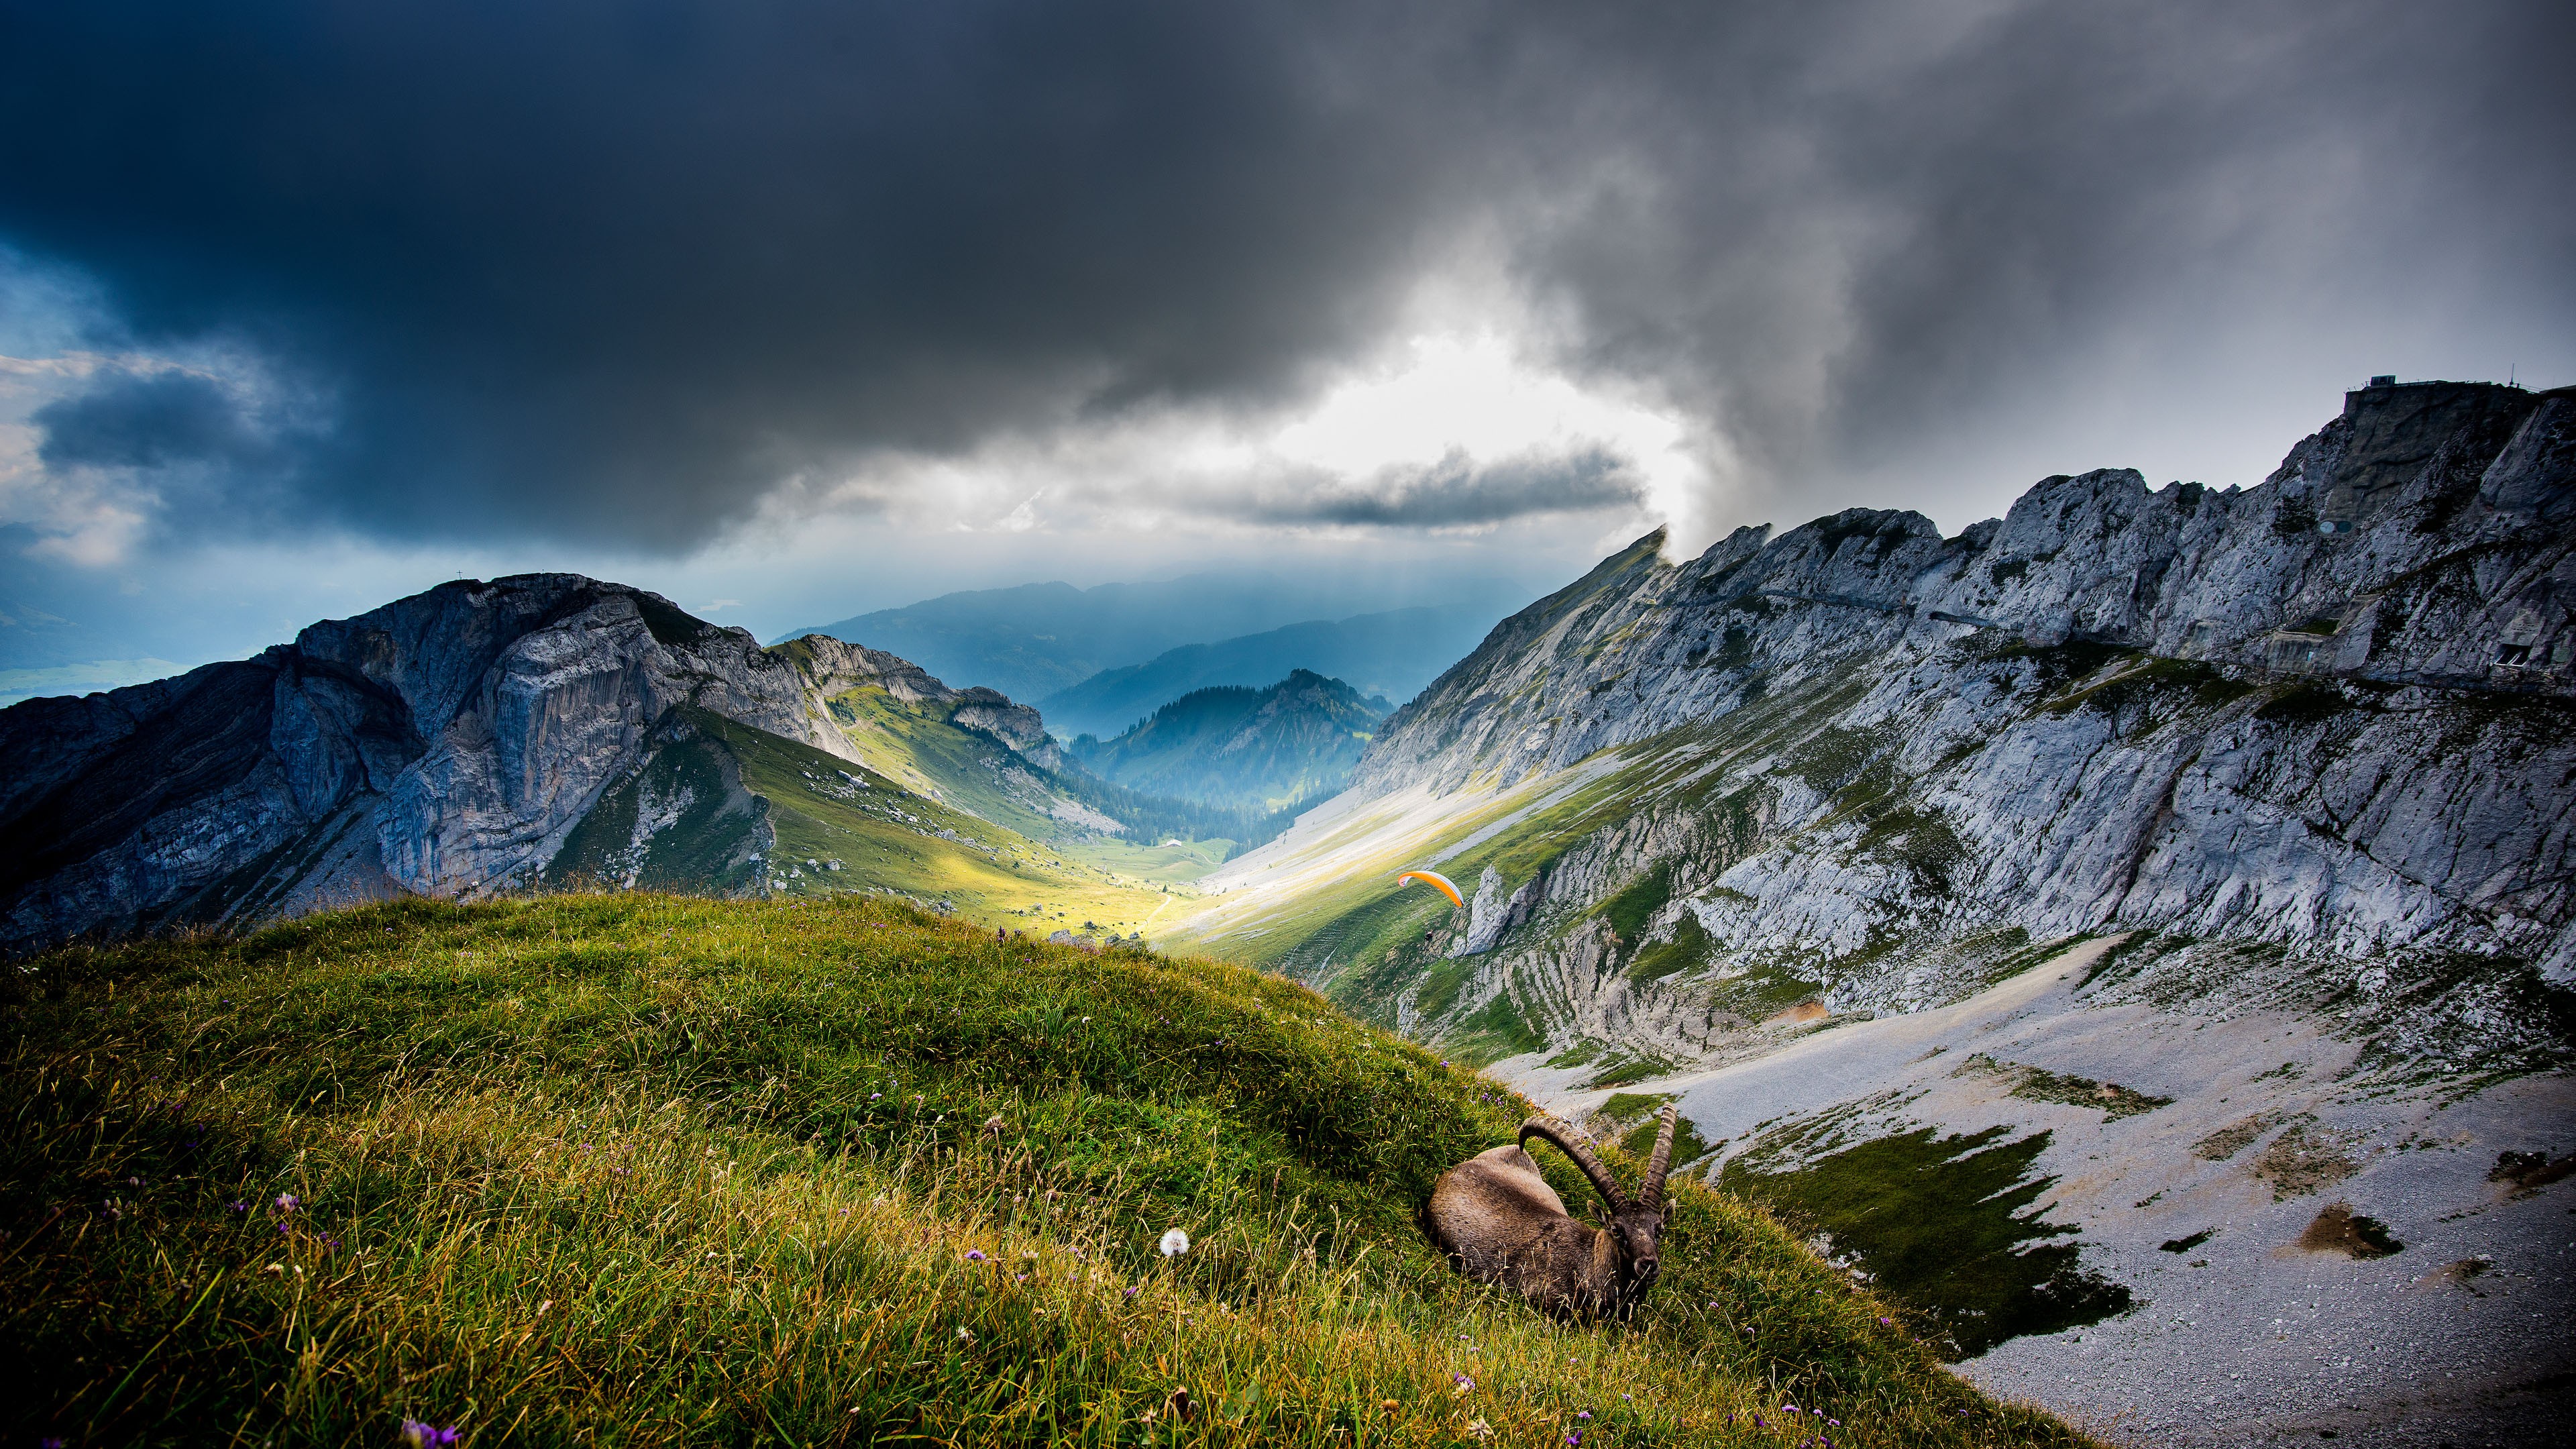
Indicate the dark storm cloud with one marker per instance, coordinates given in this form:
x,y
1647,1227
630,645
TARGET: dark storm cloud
x,y
150,420
614,270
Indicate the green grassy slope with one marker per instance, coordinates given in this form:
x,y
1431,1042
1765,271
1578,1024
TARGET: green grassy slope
x,y
641,1169
875,826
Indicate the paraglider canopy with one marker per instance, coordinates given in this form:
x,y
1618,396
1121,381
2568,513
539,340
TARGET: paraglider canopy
x,y
1436,881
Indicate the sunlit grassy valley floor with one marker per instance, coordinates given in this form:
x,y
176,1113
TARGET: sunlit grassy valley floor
x,y
643,1169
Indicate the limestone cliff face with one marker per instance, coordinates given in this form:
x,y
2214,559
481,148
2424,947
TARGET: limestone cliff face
x,y
2333,715
441,745
2451,567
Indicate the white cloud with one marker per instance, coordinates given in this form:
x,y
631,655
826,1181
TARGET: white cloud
x,y
1449,431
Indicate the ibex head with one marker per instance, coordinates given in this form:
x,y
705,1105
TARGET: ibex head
x,y
1500,1220
1636,1223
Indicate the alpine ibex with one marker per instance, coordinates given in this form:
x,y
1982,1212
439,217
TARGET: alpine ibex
x,y
1499,1221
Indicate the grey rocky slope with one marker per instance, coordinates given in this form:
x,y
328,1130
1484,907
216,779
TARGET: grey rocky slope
x,y
441,745
2188,710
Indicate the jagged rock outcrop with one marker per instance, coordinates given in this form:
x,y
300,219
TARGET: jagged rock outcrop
x,y
441,745
2455,574
1854,764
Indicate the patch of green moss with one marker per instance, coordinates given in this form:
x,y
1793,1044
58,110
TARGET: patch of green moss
x,y
2305,703
1441,984
1636,904
2128,957
2052,665
1688,1145
2015,961
1689,947
1621,1069
2037,1084
1492,1032
1766,989
1940,1223
1580,1053
2160,687
1625,1109
1835,756
1921,841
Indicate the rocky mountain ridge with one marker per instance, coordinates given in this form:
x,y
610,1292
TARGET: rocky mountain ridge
x,y
2330,710
444,744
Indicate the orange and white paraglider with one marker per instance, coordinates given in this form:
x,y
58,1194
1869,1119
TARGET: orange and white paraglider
x,y
1437,882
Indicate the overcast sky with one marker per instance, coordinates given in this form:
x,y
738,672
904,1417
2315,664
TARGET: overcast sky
x,y
797,309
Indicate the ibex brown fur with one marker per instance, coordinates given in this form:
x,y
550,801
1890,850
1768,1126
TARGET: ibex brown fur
x,y
1499,1221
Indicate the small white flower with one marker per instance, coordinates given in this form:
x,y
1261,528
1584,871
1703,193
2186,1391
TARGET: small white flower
x,y
1175,1243
965,1335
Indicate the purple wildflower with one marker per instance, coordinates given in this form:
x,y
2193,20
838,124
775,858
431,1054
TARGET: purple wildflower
x,y
287,1202
1583,1413
974,1255
427,1436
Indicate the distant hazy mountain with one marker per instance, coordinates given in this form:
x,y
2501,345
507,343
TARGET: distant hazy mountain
x,y
1244,748
1039,639
1393,654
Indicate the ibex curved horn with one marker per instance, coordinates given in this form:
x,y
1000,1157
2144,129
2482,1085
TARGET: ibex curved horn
x,y
1565,1141
1651,1192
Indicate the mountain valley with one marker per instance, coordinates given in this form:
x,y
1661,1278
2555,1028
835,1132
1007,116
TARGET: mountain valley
x,y
1392,654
